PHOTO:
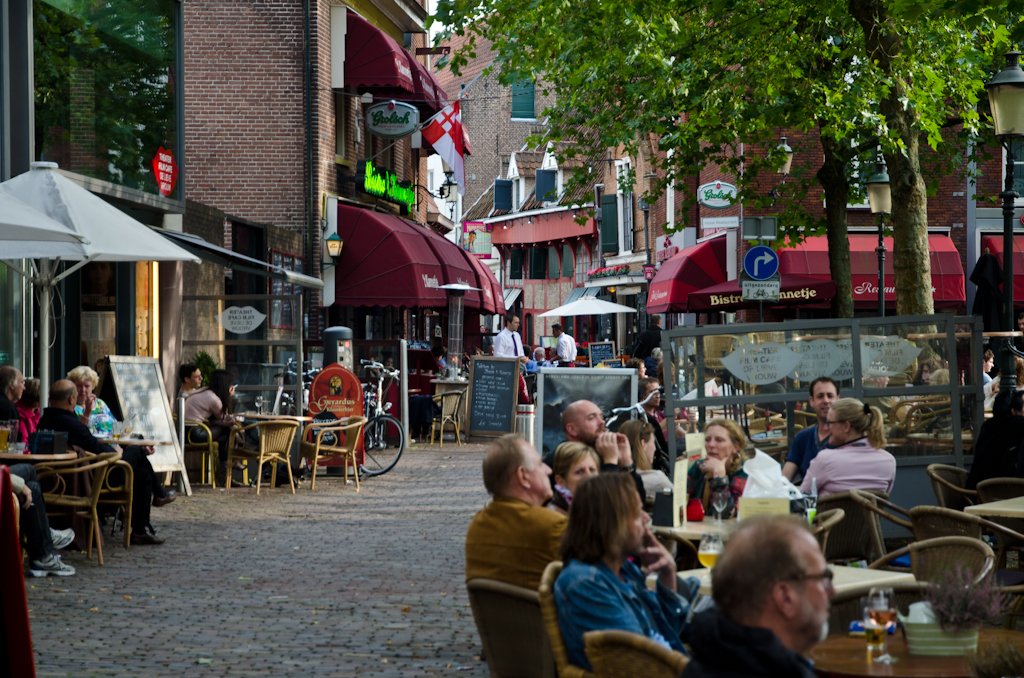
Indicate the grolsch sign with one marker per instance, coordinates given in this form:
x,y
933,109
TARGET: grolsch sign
x,y
392,119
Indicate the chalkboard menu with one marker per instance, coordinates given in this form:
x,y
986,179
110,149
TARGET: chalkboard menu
x,y
493,391
134,387
601,351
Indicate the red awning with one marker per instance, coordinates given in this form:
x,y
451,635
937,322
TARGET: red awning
x,y
694,268
490,287
810,259
428,89
386,261
374,59
455,266
993,244
727,296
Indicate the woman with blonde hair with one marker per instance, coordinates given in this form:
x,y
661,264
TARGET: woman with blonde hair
x,y
571,464
856,458
726,447
91,410
641,443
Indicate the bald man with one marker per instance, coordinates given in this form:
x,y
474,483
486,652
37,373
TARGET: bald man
x,y
582,422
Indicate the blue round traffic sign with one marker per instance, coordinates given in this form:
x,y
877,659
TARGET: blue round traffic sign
x,y
761,262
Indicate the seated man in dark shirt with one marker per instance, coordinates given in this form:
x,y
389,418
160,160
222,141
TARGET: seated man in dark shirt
x,y
60,416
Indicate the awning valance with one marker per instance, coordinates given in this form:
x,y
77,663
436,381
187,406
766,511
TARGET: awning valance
x,y
490,288
692,269
239,262
810,259
374,59
728,296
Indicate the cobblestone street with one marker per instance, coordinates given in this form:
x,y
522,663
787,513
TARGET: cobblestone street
x,y
324,583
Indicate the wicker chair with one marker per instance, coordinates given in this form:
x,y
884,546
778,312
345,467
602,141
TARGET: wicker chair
x,y
621,654
511,628
997,489
548,608
931,557
715,347
312,449
275,445
845,606
855,537
950,486
119,496
58,492
451,412
685,551
823,523
208,451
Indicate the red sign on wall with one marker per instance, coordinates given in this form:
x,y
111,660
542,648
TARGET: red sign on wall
x,y
336,393
165,170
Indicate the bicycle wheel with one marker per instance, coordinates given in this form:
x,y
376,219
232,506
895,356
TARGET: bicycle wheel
x,y
383,442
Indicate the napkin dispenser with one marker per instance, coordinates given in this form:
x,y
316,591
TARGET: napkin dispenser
x,y
48,442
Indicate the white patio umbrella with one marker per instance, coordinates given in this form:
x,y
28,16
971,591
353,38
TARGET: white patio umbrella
x,y
588,306
104,232
18,221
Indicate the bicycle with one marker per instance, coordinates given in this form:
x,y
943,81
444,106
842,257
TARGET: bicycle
x,y
612,419
383,434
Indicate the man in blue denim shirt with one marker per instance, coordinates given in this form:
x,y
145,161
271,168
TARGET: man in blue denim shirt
x,y
600,588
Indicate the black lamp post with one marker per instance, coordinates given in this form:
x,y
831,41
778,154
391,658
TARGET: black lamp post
x,y
880,197
1006,99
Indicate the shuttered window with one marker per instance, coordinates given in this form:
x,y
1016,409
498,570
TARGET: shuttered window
x,y
522,100
552,263
516,265
609,224
566,261
538,263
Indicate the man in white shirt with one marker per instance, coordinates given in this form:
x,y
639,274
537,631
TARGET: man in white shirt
x,y
508,344
566,349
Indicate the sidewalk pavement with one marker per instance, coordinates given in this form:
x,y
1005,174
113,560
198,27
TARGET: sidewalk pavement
x,y
324,583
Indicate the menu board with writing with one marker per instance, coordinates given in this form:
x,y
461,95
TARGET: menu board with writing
x,y
493,391
601,351
134,387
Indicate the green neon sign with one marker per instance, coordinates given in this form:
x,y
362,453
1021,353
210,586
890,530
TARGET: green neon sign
x,y
383,184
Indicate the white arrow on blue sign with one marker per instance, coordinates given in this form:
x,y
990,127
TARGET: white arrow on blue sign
x,y
761,262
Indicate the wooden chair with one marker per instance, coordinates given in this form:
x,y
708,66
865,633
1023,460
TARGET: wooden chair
x,y
950,486
855,537
845,607
932,557
548,608
511,628
451,412
621,654
823,523
275,445
120,497
58,491
311,450
209,451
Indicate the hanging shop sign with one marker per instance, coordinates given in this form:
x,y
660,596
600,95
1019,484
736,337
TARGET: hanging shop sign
x,y
716,195
165,170
240,320
392,119
383,184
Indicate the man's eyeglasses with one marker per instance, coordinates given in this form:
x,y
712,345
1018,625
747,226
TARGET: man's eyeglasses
x,y
825,577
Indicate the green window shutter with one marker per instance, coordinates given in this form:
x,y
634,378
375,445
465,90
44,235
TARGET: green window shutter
x,y
522,100
552,263
566,261
609,225
517,265
538,263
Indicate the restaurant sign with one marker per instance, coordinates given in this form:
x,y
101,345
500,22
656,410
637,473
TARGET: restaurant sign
x,y
383,184
240,320
165,170
716,195
392,119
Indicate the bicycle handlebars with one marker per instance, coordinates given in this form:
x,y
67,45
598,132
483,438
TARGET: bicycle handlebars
x,y
638,406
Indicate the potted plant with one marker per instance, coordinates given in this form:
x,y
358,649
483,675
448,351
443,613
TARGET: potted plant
x,y
955,608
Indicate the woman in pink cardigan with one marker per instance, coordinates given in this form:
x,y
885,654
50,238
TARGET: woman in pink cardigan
x,y
28,409
855,458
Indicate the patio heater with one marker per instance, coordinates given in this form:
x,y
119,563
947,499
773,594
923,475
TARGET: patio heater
x,y
456,311
880,198
1006,99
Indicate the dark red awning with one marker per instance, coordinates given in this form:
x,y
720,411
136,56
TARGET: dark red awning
x,y
494,299
692,269
386,261
455,267
794,291
374,59
428,90
810,259
993,244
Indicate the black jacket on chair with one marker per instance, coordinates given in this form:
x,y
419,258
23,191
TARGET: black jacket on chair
x,y
721,648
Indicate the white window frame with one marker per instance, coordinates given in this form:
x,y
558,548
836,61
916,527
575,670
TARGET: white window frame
x,y
1018,172
624,195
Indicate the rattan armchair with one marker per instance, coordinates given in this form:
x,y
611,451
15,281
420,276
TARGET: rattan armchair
x,y
275,445
119,496
208,451
621,654
998,489
685,551
844,607
950,486
932,557
548,608
511,628
312,445
451,413
59,492
823,523
855,537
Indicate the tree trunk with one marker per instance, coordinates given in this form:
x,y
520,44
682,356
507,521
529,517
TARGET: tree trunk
x,y
912,266
832,176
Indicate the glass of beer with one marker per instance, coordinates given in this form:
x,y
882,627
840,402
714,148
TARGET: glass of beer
x,y
5,432
879,614
710,548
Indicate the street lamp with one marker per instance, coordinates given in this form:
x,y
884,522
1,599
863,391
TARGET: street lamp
x,y
880,198
449,192
1006,99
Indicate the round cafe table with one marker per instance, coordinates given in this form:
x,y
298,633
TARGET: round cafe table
x,y
842,656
